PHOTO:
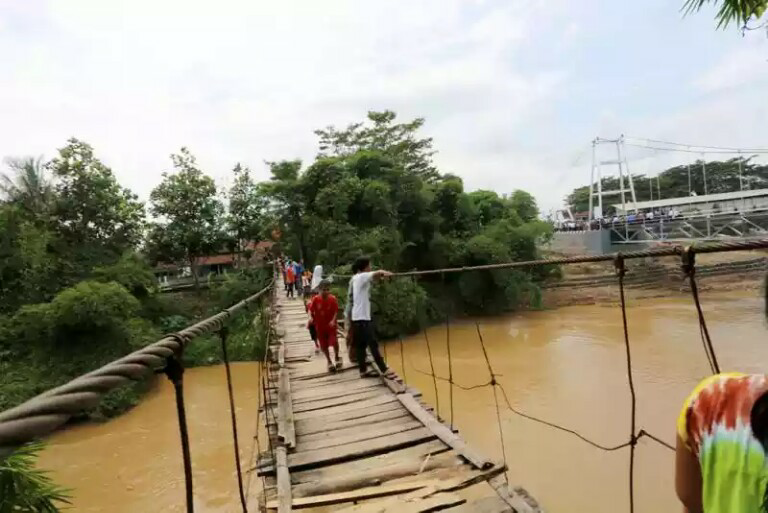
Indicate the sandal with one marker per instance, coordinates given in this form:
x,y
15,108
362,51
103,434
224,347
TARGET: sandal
x,y
390,375
370,373
339,364
331,367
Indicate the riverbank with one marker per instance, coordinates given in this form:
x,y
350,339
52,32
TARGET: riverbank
x,y
594,283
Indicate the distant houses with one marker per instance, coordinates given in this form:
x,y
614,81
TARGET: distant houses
x,y
178,275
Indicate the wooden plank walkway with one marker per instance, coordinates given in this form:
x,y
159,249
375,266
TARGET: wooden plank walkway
x,y
351,444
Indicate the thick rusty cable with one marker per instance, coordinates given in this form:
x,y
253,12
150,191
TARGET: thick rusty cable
x,y
689,268
175,372
434,378
714,247
621,270
223,335
48,411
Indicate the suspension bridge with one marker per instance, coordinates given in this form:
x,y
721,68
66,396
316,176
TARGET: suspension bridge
x,y
338,442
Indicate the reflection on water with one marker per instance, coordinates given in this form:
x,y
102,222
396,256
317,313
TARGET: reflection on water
x,y
133,463
567,366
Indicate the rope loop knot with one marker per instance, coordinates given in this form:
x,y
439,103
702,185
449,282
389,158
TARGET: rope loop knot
x,y
618,263
688,258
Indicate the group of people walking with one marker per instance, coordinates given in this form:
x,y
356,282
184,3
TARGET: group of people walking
x,y
323,309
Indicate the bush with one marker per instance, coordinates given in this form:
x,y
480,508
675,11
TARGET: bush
x,y
399,306
132,272
92,305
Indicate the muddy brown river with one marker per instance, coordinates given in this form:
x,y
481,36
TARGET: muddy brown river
x,y
566,366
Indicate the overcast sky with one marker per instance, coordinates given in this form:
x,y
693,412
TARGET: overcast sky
x,y
513,91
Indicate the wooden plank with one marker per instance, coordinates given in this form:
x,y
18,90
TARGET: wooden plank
x,y
338,401
435,502
354,495
492,504
334,410
306,431
316,392
443,432
444,480
332,455
286,430
414,454
518,499
284,503
328,394
347,418
357,435
372,475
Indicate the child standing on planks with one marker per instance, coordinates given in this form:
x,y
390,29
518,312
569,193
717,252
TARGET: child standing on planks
x,y
323,310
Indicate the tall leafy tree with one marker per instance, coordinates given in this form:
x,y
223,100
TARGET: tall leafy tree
x,y
190,214
399,141
247,207
27,184
525,205
288,202
91,207
740,12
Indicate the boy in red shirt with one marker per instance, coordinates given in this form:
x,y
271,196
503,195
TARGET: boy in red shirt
x,y
323,310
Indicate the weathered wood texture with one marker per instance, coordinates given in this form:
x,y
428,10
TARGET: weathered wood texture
x,y
361,444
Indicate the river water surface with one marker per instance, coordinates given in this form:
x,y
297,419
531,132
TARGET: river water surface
x,y
566,366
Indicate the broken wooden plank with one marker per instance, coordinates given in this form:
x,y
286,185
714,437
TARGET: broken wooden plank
x,y
354,495
330,479
443,432
518,499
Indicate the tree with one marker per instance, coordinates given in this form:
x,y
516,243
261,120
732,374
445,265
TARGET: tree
x,y
92,210
525,205
288,203
395,140
246,207
730,11
27,185
190,214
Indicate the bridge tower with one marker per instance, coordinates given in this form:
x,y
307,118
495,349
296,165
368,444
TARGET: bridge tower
x,y
626,185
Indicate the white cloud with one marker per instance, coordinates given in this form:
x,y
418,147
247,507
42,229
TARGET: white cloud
x,y
744,65
249,80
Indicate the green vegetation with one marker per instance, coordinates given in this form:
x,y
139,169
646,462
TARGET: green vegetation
x,y
374,190
722,176
740,12
26,489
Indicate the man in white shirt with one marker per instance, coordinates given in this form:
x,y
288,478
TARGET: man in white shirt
x,y
359,299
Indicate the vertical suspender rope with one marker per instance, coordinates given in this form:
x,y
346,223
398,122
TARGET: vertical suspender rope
x,y
621,270
450,361
689,268
495,400
434,376
175,372
402,359
224,334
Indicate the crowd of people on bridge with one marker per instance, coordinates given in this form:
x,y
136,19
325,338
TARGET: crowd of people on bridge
x,y
323,310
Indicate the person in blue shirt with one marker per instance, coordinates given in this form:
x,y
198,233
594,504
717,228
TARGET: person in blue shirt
x,y
298,268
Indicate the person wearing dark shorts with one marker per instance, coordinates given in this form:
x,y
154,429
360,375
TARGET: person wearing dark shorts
x,y
362,328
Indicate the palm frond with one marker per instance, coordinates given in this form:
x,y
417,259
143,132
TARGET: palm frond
x,y
729,11
26,489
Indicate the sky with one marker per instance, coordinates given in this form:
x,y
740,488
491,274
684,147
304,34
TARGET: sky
x,y
513,91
